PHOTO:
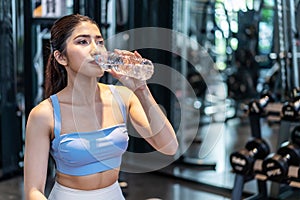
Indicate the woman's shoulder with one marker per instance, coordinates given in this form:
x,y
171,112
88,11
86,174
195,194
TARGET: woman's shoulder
x,y
40,120
119,88
123,91
42,111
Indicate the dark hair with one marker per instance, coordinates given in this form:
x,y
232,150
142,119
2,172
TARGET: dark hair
x,y
56,74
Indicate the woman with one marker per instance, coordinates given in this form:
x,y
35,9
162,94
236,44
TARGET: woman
x,y
82,122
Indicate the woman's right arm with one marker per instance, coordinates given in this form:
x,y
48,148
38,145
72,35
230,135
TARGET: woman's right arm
x,y
37,144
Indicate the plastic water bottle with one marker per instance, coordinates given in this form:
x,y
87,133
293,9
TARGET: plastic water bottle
x,y
132,66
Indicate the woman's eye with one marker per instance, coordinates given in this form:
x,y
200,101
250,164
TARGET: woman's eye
x,y
101,42
82,42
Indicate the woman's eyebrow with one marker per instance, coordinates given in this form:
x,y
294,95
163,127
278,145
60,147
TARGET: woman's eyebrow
x,y
88,36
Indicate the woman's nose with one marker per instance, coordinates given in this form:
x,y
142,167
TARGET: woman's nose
x,y
96,49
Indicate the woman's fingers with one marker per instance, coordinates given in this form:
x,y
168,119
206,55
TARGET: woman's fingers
x,y
124,52
137,54
129,53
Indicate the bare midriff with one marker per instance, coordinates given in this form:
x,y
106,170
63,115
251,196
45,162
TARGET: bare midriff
x,y
89,182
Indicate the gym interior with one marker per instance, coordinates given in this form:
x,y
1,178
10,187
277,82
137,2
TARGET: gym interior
x,y
226,76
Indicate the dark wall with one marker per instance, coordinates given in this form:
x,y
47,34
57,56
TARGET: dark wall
x,y
10,134
152,13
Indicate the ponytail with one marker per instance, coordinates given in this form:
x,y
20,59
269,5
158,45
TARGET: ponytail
x,y
55,77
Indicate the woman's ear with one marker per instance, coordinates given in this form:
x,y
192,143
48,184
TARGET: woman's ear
x,y
60,58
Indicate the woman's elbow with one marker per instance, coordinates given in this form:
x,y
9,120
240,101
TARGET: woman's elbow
x,y
171,148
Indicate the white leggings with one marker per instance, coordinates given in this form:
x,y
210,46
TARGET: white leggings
x,y
60,192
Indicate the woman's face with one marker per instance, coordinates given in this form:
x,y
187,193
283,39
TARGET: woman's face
x,y
85,41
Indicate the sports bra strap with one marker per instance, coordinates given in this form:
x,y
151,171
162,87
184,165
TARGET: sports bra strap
x,y
57,118
119,101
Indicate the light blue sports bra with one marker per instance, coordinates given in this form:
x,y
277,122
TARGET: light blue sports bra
x,y
84,153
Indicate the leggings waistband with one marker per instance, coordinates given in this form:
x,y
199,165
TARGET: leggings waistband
x,y
60,192
106,189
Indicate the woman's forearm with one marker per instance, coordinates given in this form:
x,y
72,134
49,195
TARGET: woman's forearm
x,y
163,135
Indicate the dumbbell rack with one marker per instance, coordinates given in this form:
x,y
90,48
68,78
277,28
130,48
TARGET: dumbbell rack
x,y
240,180
278,189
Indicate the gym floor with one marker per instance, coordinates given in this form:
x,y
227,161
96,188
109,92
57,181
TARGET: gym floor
x,y
208,179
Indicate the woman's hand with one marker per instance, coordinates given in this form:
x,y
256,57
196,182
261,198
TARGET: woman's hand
x,y
129,82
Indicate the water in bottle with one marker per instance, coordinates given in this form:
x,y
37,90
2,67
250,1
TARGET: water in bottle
x,y
128,65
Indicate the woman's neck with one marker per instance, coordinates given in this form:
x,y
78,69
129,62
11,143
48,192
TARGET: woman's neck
x,y
83,90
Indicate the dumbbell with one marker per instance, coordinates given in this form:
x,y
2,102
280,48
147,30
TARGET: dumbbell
x,y
295,135
291,109
276,166
257,106
242,161
294,171
295,93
